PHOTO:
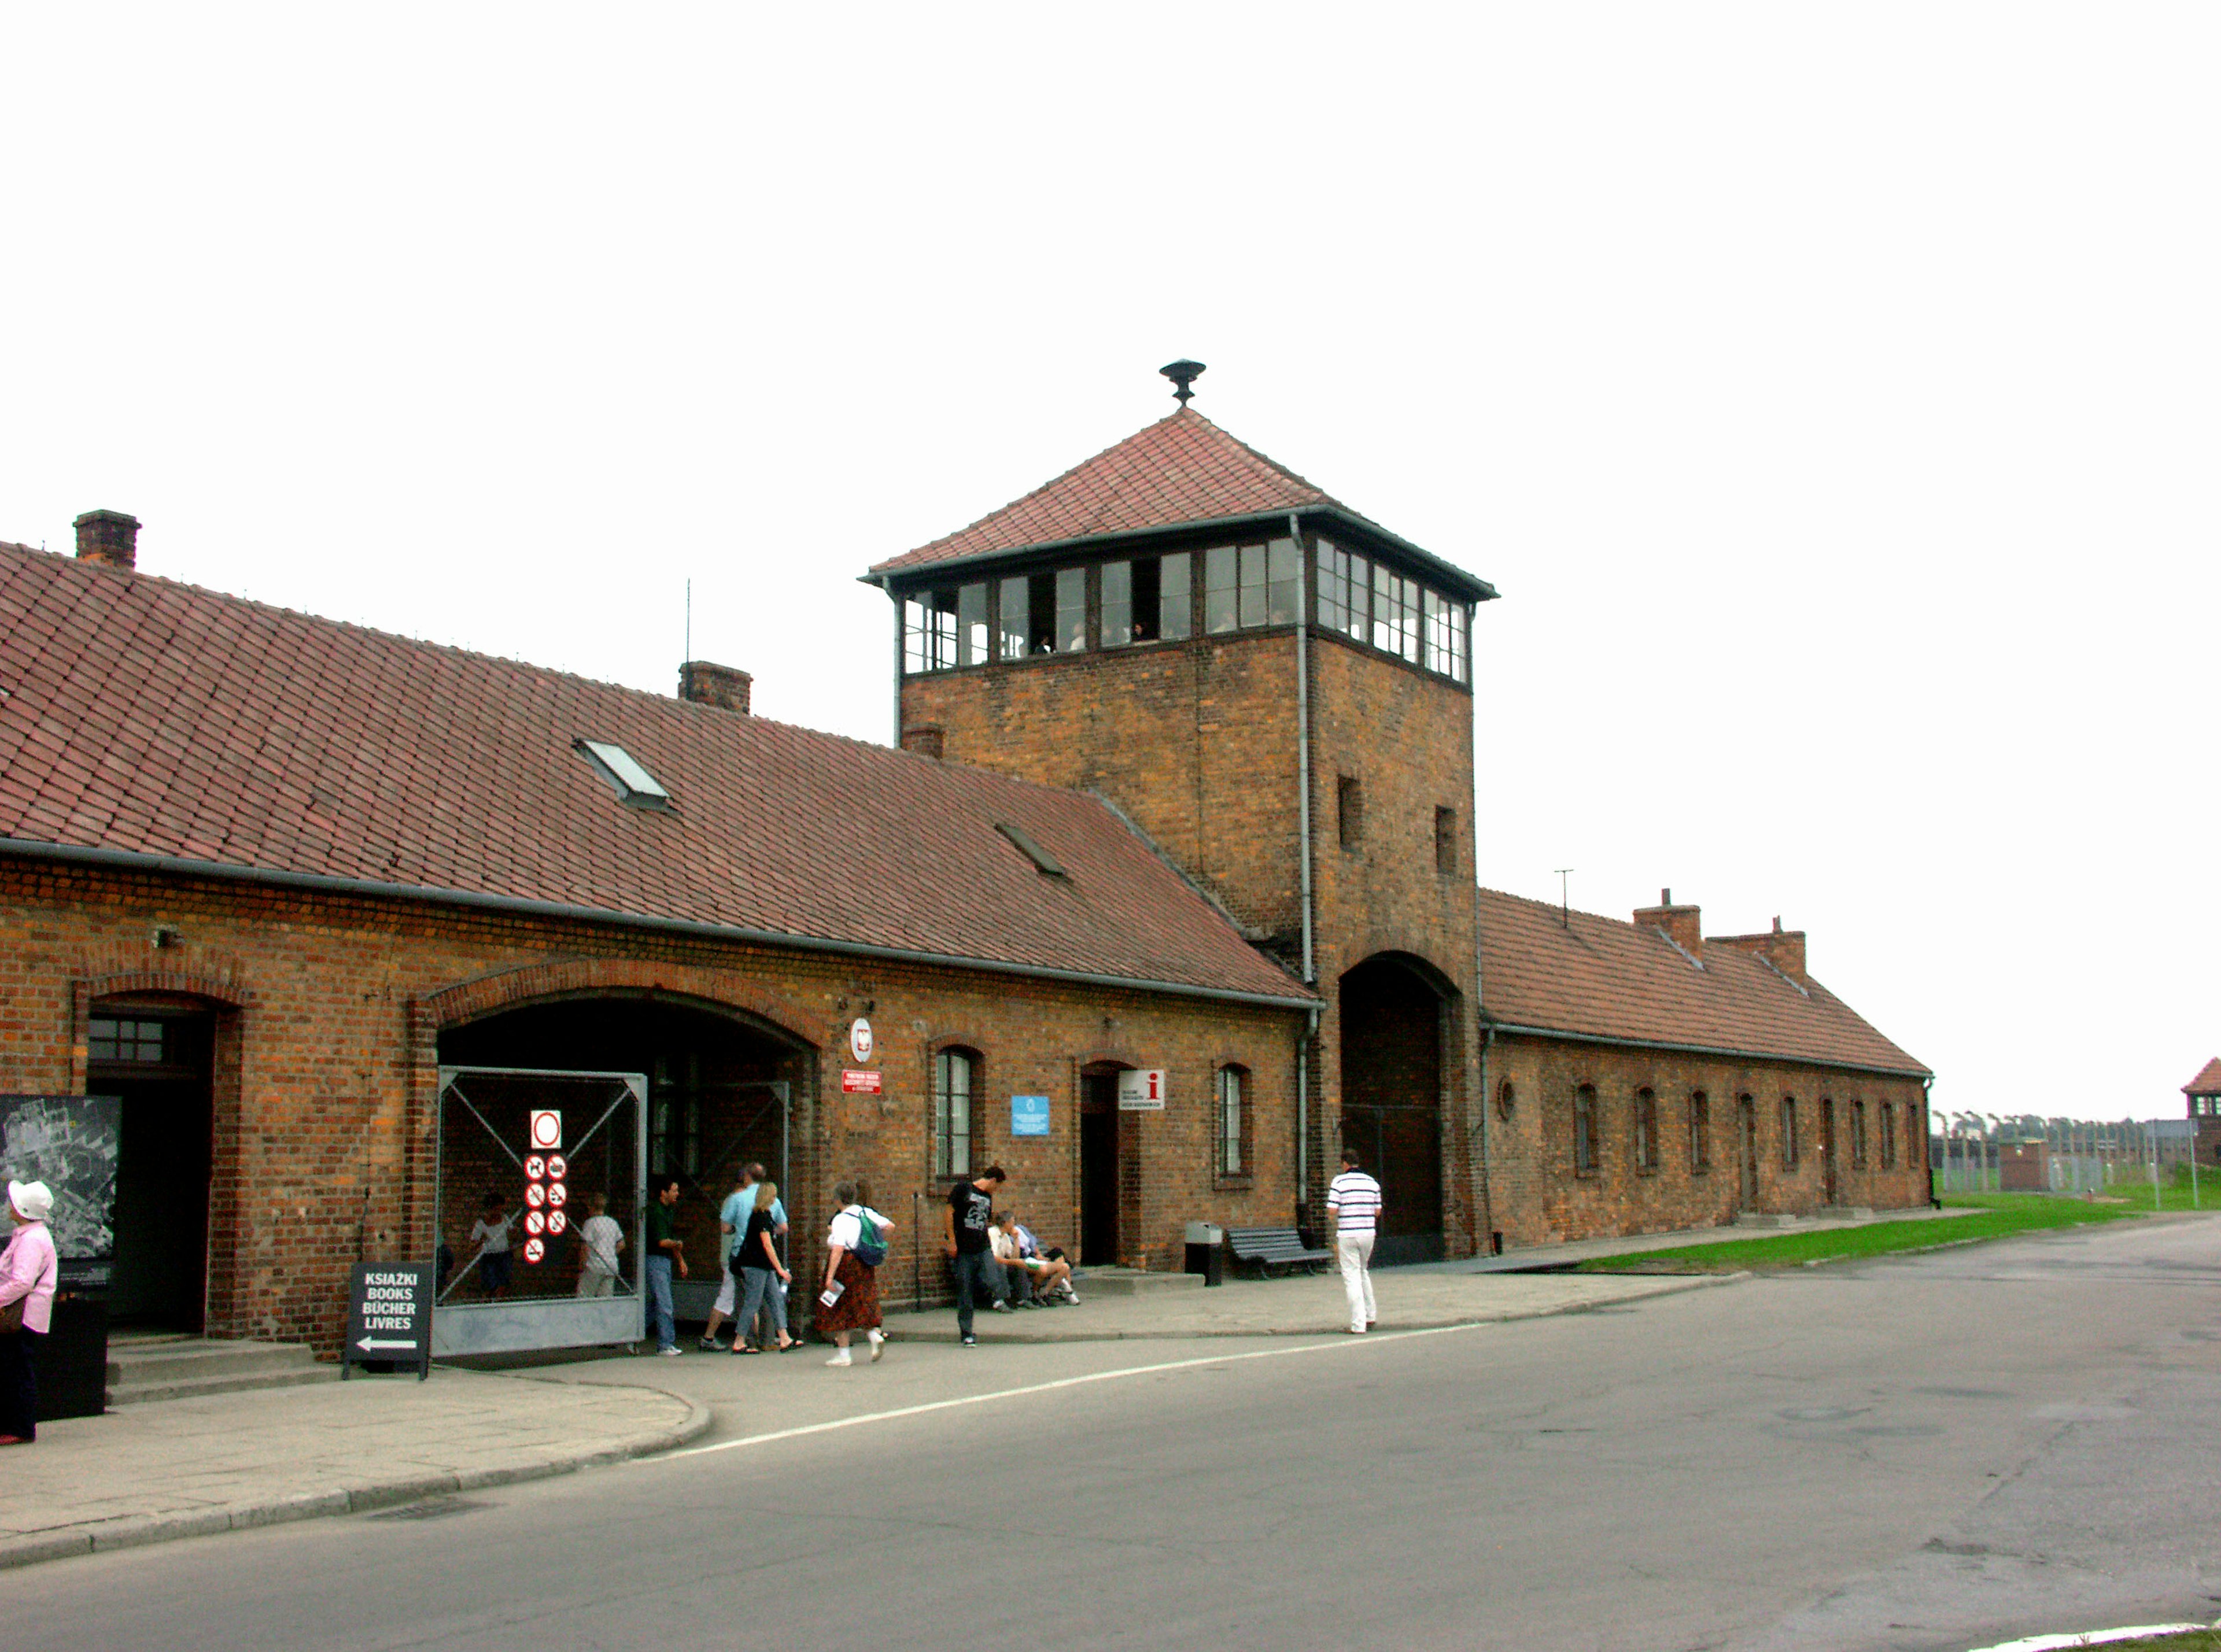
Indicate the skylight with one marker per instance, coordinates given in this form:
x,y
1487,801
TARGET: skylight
x,y
1043,862
635,788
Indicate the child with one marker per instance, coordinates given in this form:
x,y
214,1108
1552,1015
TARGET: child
x,y
490,1234
603,1239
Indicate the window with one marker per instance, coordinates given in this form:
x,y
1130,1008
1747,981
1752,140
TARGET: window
x,y
1445,840
1646,1131
674,1119
1395,614
1249,585
1044,863
1072,610
1584,1130
1349,809
1222,588
1888,1137
952,1112
1700,1132
1788,1132
1858,1135
1233,1121
943,629
1343,587
635,788
1506,1098
1014,609
113,1040
1044,614
1445,636
1146,600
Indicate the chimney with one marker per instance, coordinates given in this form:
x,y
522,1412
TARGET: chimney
x,y
1679,923
709,684
1783,948
925,738
109,537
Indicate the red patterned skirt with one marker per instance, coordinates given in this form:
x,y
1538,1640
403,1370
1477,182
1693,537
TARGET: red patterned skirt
x,y
858,1306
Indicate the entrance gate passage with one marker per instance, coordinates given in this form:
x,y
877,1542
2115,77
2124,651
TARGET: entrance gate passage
x,y
523,1157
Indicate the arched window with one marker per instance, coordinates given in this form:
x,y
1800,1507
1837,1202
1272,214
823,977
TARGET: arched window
x,y
1788,1132
1233,1131
1700,1132
1858,1134
1507,1099
1646,1131
954,1072
1888,1137
1584,1130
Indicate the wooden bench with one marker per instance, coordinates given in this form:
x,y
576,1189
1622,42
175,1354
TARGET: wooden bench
x,y
1269,1248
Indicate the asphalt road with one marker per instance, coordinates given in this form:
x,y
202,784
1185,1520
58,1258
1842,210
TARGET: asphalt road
x,y
1934,1453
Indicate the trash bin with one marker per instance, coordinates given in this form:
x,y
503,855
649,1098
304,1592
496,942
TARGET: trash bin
x,y
1206,1251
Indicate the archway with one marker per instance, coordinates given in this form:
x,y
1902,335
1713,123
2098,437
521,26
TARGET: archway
x,y
1394,1008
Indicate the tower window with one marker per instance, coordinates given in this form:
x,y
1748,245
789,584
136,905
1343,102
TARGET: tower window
x,y
945,628
1044,614
1145,601
1349,808
1446,856
1344,589
1395,614
1445,636
1249,585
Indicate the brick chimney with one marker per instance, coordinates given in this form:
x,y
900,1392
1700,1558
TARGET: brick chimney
x,y
709,684
1783,948
925,738
107,536
1679,923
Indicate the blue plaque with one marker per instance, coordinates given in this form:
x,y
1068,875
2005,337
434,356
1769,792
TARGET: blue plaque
x,y
1029,1115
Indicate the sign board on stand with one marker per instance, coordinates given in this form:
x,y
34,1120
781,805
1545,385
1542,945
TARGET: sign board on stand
x,y
1029,1115
390,1317
1141,1089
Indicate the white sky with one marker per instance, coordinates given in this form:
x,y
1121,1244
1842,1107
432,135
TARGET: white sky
x,y
1831,391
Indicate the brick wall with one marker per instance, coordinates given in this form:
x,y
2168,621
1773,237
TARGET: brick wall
x,y
1539,1199
329,1011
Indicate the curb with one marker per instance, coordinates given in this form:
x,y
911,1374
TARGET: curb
x,y
140,1531
1678,1285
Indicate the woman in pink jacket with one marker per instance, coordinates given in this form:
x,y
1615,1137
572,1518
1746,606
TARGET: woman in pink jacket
x,y
27,1301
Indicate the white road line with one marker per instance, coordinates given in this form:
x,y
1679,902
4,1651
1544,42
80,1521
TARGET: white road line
x,y
1340,1345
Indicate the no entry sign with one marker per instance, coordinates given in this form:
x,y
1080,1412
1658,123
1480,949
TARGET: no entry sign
x,y
547,1130
390,1316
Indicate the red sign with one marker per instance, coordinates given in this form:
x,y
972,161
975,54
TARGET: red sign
x,y
534,1222
534,1250
534,1168
534,1194
557,1222
558,1167
557,1194
855,1083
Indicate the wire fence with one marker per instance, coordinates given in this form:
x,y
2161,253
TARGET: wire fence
x,y
1984,1153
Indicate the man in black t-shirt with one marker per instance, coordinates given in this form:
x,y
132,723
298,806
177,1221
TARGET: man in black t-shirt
x,y
971,1212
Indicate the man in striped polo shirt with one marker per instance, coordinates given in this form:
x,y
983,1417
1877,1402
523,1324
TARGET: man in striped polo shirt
x,y
1352,1214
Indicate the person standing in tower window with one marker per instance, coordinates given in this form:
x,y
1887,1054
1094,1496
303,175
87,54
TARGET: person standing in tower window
x,y
1353,1215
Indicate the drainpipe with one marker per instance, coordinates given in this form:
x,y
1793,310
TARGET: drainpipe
x,y
1488,1203
1927,1163
1304,850
895,602
1304,1041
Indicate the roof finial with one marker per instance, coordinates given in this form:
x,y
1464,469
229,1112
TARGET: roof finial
x,y
1183,373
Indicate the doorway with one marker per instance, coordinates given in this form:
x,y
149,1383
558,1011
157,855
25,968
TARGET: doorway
x,y
1099,1168
1747,1137
1391,1100
158,1059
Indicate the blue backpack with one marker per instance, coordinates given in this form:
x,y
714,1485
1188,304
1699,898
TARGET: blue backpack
x,y
870,1246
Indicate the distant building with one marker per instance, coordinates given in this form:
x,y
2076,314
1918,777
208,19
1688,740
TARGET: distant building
x,y
2203,1098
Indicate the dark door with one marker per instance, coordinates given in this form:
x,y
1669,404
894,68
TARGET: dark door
x,y
1747,1138
1828,1150
1098,1168
160,1066
1392,1109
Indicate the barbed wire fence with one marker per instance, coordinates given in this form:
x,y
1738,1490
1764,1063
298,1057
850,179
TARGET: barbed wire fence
x,y
1972,1152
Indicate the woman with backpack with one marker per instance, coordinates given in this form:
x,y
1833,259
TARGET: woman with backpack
x,y
763,1275
855,1246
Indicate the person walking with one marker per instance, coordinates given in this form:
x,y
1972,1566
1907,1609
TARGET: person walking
x,y
665,1251
851,1298
971,1214
27,1272
765,1277
1353,1215
732,1223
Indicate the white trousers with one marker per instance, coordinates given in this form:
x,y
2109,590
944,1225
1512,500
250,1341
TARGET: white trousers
x,y
1354,1252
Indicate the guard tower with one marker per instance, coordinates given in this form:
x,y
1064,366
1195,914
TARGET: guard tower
x,y
1277,690
2203,1096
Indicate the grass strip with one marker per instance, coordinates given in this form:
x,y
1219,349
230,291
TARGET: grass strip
x,y
1994,1216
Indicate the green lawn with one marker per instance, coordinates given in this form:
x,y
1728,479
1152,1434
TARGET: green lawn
x,y
1990,1216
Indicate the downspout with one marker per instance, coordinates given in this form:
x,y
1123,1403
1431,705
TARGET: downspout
x,y
1927,1160
1304,850
895,602
1479,977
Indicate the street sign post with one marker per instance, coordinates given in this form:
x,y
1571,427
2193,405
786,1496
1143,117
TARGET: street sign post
x,y
390,1317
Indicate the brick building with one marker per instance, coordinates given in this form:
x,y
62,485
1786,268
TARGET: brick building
x,y
1644,1076
2202,1099
1184,784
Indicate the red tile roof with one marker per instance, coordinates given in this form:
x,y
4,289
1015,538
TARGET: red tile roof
x,y
157,719
1180,471
2208,1081
1610,979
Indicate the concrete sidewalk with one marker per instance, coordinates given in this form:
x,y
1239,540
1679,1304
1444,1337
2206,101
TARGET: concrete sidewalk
x,y
188,1467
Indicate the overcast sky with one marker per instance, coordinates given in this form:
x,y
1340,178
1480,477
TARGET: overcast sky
x,y
1831,392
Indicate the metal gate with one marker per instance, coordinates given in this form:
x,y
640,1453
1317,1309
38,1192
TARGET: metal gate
x,y
530,1158
754,1119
